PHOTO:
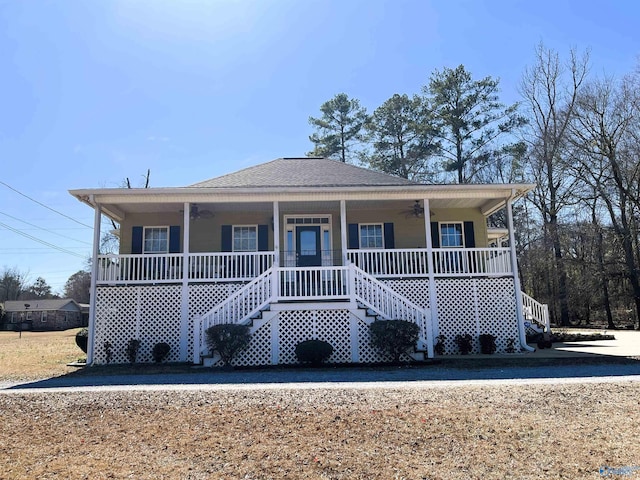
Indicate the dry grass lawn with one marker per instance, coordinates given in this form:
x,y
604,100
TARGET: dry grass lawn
x,y
498,432
463,432
37,354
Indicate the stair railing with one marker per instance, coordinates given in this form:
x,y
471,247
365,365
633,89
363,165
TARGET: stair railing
x,y
536,312
238,308
390,305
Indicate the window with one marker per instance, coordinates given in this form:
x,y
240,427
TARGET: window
x,y
245,238
156,240
451,235
371,236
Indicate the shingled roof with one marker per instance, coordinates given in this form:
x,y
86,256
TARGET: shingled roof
x,y
303,172
38,304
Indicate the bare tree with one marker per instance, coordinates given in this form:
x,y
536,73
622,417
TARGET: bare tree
x,y
605,133
551,89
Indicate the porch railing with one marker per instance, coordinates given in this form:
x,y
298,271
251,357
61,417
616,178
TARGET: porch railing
x,y
245,266
448,262
156,268
465,262
313,283
168,268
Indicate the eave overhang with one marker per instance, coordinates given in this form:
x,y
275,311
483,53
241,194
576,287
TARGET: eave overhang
x,y
113,200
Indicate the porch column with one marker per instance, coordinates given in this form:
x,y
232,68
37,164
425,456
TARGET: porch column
x,y
184,296
276,233
343,230
516,277
97,217
433,297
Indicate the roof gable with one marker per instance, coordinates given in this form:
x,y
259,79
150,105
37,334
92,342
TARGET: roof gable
x,y
303,172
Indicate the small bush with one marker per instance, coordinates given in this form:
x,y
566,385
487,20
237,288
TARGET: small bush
x,y
439,347
488,343
313,351
464,343
82,339
132,349
511,345
160,351
227,339
394,337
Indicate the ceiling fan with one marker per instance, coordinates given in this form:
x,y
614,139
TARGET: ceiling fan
x,y
416,210
196,213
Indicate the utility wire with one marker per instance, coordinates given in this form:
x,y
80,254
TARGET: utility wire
x,y
44,229
35,239
45,206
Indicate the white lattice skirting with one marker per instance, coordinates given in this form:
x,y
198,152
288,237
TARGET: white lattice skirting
x,y
153,314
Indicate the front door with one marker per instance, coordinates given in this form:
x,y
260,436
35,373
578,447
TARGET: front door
x,y
308,249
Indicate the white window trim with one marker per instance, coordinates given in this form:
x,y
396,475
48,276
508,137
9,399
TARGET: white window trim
x,y
144,237
233,238
451,223
381,225
324,227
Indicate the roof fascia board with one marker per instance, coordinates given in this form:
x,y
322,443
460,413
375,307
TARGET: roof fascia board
x,y
202,195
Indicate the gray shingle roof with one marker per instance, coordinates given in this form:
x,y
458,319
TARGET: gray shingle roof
x,y
303,172
36,305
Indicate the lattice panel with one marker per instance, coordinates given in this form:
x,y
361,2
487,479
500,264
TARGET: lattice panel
x,y
329,325
259,350
334,327
148,313
476,306
202,299
457,311
159,320
497,310
414,290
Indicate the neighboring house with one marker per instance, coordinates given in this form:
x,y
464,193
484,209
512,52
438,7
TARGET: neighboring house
x,y
58,314
302,248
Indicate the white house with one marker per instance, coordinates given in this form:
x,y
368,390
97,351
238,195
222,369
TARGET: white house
x,y
302,248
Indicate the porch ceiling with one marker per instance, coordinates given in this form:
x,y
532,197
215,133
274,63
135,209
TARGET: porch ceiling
x,y
118,203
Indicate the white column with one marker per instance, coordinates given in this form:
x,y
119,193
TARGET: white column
x,y
343,230
516,278
94,277
433,297
184,295
276,233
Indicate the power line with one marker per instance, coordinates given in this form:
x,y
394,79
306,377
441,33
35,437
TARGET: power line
x,y
45,206
44,229
35,239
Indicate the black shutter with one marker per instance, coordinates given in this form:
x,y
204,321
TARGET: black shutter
x,y
435,235
263,238
469,236
174,239
354,241
389,240
226,242
136,240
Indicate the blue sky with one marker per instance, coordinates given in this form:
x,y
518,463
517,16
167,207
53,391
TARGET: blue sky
x,y
93,92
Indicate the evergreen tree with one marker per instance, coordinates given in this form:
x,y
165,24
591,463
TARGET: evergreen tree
x,y
339,127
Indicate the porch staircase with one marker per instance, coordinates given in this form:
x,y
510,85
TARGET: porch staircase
x,y
250,305
536,315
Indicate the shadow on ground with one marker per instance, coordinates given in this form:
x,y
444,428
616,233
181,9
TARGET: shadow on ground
x,y
477,367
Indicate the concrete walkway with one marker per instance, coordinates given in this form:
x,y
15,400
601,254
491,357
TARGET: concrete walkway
x,y
596,361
